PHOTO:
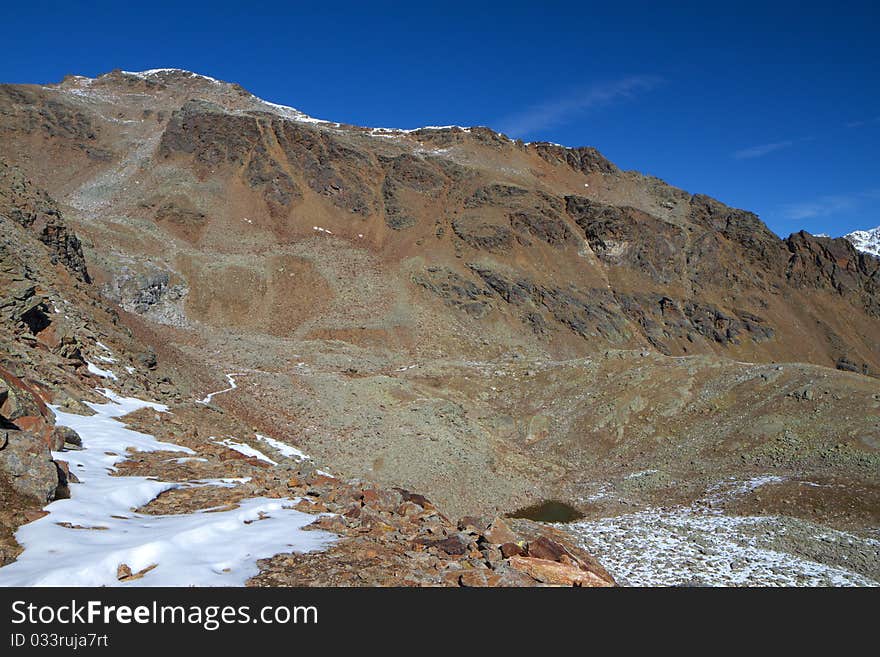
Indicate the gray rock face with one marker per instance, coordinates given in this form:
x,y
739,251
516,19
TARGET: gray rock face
x,y
149,291
27,464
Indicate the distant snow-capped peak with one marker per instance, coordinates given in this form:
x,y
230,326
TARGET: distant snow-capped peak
x,y
866,241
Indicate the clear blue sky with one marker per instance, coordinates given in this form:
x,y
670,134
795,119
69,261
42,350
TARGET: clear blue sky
x,y
776,110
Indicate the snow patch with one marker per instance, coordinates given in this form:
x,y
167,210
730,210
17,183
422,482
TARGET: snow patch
x,y
283,448
97,371
661,547
154,72
232,386
245,449
700,544
85,539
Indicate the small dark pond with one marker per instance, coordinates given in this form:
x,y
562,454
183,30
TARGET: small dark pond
x,y
549,511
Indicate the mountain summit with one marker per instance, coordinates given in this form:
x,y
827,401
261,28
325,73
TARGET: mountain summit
x,y
866,241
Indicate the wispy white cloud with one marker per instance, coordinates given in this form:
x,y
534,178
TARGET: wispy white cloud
x,y
862,123
819,207
763,149
560,110
828,205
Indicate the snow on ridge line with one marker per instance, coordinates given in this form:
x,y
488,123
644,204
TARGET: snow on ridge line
x,y
424,127
159,71
84,539
285,110
866,241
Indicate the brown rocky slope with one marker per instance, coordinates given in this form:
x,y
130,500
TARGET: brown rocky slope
x,y
448,310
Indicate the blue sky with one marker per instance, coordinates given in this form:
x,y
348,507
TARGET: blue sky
x,y
775,110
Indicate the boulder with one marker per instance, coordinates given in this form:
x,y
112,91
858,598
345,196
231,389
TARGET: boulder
x,y
474,523
500,533
545,548
455,545
65,436
22,408
558,574
20,399
421,500
513,549
25,461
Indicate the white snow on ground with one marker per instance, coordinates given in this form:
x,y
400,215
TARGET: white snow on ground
x,y
321,230
232,386
104,374
732,488
84,539
222,482
283,448
668,547
639,475
247,450
700,544
288,451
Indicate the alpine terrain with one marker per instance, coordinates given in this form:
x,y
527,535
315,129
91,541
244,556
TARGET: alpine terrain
x,y
241,345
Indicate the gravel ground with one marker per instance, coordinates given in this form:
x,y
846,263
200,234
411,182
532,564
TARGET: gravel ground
x,y
701,546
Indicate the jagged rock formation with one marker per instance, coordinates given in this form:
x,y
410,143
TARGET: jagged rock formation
x,y
32,208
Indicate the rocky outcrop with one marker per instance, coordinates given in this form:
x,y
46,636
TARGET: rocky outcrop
x,y
627,237
28,111
590,313
409,181
663,319
394,537
455,290
144,289
834,264
595,312
483,235
31,207
583,160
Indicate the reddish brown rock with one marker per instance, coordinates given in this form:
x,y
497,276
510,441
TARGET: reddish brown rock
x,y
544,548
558,574
123,571
500,533
513,549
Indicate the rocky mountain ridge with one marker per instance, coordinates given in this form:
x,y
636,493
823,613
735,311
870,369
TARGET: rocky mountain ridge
x,y
866,241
